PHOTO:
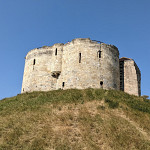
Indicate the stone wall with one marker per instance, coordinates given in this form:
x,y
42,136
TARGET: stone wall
x,y
81,63
39,68
98,66
110,67
130,77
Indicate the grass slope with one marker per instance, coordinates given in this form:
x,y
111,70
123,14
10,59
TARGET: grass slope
x,y
90,119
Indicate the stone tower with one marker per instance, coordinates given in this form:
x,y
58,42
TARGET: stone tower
x,y
130,76
81,63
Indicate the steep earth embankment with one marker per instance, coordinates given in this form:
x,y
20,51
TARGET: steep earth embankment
x,y
90,119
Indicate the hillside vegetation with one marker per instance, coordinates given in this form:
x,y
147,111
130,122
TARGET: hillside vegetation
x,y
90,119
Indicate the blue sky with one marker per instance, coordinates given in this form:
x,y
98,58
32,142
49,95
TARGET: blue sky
x,y
27,24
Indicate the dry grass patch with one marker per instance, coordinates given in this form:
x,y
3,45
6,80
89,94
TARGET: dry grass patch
x,y
74,119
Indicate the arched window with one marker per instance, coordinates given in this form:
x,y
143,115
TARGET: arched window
x,y
56,52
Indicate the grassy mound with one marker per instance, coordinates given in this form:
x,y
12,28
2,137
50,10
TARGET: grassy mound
x,y
91,119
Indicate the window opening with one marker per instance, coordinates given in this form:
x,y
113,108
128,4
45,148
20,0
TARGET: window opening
x,y
56,52
101,84
63,84
34,62
99,54
79,57
23,89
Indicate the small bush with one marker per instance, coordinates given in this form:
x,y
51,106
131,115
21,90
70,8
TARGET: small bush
x,y
112,104
145,96
44,46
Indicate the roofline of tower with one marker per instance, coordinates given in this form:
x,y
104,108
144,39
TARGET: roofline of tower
x,y
125,58
76,39
129,59
88,39
45,47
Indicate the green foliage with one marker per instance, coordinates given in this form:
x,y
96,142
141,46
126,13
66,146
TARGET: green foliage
x,y
143,106
89,94
112,104
74,119
34,101
145,96
44,46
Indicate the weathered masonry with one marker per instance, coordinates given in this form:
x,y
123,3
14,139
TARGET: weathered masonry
x,y
81,63
130,76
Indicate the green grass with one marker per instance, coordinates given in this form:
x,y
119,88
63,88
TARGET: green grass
x,y
90,119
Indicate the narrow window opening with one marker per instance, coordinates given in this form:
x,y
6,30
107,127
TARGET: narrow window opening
x,y
101,84
23,89
79,57
56,52
34,62
63,84
99,54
